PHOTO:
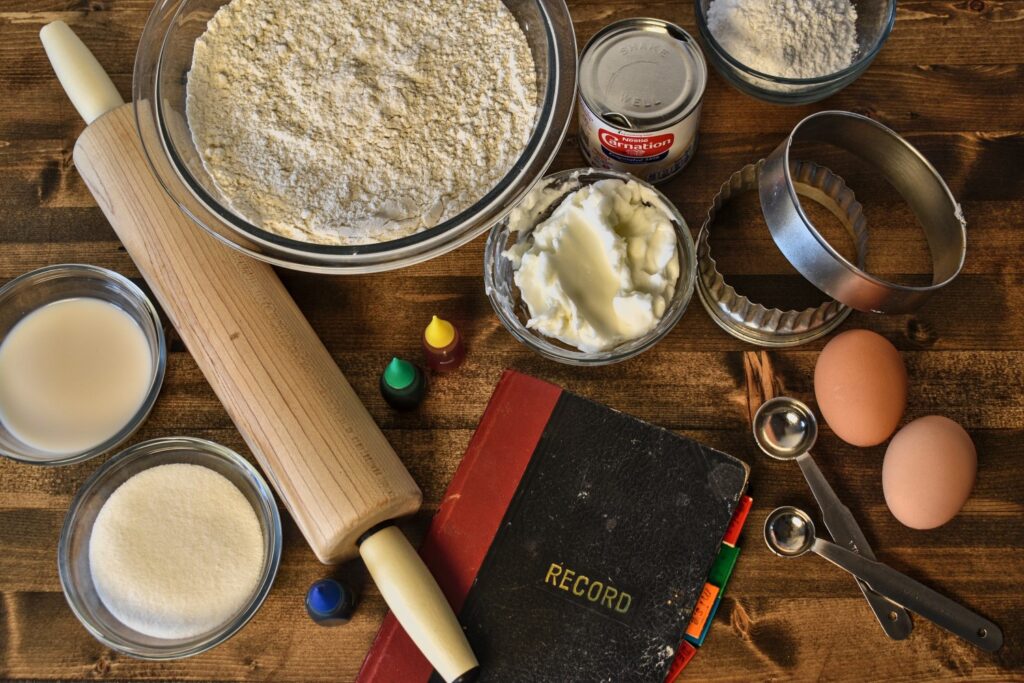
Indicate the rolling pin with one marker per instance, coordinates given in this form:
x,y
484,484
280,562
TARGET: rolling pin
x,y
327,459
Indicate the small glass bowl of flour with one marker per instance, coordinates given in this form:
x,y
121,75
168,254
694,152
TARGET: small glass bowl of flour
x,y
169,548
793,51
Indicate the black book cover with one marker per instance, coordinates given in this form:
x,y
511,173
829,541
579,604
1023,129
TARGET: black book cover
x,y
602,552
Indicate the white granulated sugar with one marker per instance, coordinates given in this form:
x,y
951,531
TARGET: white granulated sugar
x,y
176,551
359,121
787,38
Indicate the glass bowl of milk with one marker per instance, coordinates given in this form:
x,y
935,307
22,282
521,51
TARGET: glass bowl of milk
x,y
82,359
169,548
593,267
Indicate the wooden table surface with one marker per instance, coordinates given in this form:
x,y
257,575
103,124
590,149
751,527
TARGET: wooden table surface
x,y
950,79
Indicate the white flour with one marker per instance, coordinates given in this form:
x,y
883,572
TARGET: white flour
x,y
359,121
787,38
176,551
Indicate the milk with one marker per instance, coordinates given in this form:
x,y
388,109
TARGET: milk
x,y
72,374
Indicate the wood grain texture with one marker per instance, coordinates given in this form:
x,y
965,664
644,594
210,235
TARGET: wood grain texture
x,y
949,78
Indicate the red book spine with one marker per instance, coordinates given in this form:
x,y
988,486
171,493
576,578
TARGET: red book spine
x,y
470,513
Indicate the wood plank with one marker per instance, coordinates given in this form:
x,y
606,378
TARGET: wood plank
x,y
39,172
32,520
975,97
755,632
926,31
46,236
433,455
693,390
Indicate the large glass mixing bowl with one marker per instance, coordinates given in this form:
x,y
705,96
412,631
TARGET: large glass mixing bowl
x,y
161,74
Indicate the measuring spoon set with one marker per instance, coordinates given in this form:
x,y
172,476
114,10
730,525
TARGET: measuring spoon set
x,y
786,429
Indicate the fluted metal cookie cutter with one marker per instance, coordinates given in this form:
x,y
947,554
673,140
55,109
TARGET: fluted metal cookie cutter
x,y
754,322
905,169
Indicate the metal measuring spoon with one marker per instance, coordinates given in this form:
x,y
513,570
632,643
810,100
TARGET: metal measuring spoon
x,y
789,532
786,429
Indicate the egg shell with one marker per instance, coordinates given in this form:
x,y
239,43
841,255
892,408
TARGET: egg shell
x,y
860,384
928,472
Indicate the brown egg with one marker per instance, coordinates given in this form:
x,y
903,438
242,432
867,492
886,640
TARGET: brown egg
x,y
860,384
929,472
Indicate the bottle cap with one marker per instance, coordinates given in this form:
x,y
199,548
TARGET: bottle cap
x,y
325,597
399,373
439,333
330,602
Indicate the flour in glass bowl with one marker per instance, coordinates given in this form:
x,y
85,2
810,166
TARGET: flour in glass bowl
x,y
787,38
359,121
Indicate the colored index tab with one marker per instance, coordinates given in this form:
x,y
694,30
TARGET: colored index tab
x,y
721,570
732,534
702,612
711,617
683,657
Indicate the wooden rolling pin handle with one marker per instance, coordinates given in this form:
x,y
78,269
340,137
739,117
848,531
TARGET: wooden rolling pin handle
x,y
86,83
418,603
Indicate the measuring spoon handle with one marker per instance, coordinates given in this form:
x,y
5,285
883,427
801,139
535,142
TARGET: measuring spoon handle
x,y
915,596
845,531
837,517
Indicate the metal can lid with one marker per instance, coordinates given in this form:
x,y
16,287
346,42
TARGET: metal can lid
x,y
642,73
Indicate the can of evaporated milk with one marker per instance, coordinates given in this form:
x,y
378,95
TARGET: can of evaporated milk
x,y
641,86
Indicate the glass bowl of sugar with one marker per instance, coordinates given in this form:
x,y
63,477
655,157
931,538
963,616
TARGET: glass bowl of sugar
x,y
169,548
82,359
789,52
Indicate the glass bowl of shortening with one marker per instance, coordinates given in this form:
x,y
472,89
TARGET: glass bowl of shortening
x,y
352,136
594,267
790,52
169,548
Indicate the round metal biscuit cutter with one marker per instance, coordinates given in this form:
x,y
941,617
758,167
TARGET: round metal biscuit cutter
x,y
906,170
753,322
